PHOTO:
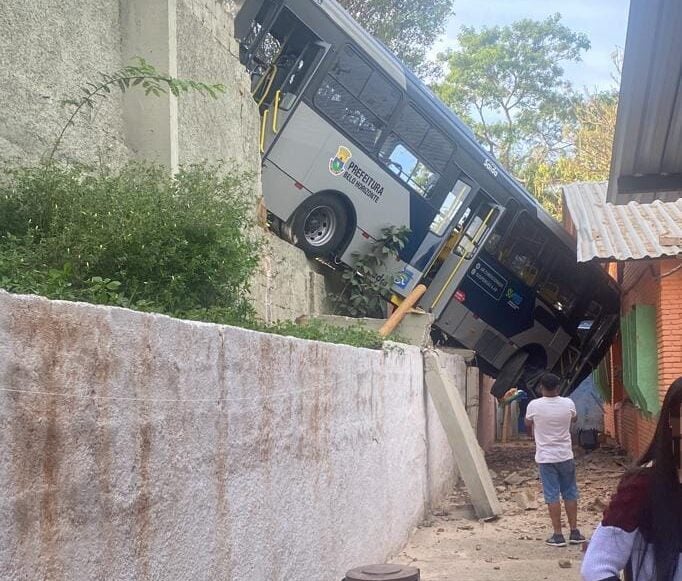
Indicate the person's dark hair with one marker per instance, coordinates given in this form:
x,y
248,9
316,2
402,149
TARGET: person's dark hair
x,y
661,514
550,382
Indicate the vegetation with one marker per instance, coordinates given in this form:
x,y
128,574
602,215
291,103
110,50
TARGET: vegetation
x,y
137,237
141,74
368,283
408,28
589,158
507,83
314,329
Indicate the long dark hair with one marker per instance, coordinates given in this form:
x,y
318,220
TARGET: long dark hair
x,y
662,516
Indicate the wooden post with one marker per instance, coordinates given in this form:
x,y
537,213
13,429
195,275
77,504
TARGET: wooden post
x,y
399,314
505,422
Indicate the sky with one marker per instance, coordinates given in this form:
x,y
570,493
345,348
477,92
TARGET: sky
x,y
604,22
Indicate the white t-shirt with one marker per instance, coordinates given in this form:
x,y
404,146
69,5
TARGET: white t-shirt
x,y
552,418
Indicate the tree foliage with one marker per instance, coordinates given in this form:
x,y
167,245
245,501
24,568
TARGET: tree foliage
x,y
368,283
407,27
508,83
589,158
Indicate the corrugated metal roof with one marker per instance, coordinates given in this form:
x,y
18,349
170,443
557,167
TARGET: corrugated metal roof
x,y
647,149
607,231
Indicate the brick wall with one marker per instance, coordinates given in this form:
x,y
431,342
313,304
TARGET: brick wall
x,y
655,283
670,324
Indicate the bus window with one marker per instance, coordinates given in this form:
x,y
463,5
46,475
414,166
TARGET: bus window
x,y
522,255
479,223
437,149
299,72
351,70
452,203
407,166
560,287
495,242
347,112
380,96
411,126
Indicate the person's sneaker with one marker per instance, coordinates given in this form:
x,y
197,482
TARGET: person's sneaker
x,y
556,540
575,538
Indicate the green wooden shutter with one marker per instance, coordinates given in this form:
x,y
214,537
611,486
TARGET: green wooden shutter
x,y
640,357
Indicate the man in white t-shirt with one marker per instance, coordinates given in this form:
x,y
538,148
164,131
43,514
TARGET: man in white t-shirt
x,y
549,420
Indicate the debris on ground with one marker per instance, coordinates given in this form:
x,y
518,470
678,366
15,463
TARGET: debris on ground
x,y
509,546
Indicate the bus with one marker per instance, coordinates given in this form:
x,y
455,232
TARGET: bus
x,y
353,142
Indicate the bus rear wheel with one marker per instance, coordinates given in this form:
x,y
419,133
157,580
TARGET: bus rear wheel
x,y
319,225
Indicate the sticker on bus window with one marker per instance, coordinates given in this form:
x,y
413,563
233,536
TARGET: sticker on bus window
x,y
337,164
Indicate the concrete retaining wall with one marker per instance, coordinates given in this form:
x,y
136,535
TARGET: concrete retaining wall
x,y
49,48
136,446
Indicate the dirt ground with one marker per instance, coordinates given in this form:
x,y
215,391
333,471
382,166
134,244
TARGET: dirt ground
x,y
452,545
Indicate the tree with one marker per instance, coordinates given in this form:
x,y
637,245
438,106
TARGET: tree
x,y
507,82
407,27
587,160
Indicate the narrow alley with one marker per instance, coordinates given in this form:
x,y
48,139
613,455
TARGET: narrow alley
x,y
454,545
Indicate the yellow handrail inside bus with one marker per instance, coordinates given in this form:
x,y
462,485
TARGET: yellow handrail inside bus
x,y
263,125
459,264
270,75
278,94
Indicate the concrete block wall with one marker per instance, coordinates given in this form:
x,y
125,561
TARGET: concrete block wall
x,y
289,285
48,48
136,446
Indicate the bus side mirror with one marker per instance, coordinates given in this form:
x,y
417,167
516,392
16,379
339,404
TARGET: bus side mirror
x,y
287,101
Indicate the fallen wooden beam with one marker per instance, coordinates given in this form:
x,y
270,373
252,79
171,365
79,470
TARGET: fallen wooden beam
x,y
465,448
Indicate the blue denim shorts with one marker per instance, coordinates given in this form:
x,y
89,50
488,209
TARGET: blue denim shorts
x,y
556,478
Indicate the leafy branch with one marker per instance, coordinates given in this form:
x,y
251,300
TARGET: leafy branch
x,y
141,74
367,284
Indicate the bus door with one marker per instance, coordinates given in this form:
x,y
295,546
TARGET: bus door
x,y
281,54
468,236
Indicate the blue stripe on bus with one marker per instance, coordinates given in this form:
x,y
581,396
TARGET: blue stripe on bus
x,y
421,217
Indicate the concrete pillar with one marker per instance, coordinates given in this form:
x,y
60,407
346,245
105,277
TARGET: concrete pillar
x,y
149,30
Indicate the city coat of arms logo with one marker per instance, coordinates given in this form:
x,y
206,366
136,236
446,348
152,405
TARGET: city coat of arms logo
x,y
337,164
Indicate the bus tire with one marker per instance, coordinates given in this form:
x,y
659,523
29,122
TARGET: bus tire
x,y
319,225
510,374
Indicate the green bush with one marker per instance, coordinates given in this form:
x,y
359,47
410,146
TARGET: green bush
x,y
141,239
136,237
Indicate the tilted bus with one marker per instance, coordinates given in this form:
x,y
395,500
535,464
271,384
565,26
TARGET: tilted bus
x,y
353,142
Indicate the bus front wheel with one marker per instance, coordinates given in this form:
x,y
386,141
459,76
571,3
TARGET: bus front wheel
x,y
510,374
319,225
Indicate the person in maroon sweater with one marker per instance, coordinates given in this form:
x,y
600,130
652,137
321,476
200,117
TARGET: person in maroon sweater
x,y
641,532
